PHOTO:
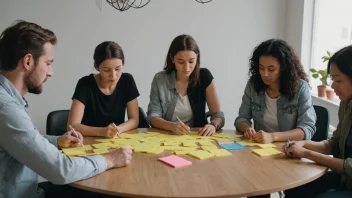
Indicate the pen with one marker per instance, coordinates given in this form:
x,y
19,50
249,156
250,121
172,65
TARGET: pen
x,y
288,143
117,131
74,131
180,121
288,146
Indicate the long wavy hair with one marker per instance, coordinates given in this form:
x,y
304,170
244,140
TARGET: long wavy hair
x,y
181,43
291,69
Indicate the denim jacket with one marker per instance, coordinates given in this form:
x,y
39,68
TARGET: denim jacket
x,y
291,114
163,98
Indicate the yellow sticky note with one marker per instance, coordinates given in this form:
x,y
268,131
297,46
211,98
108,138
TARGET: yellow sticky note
x,y
102,145
88,154
155,150
74,153
220,152
153,133
210,147
205,143
266,145
190,144
79,148
105,140
140,149
169,143
171,148
127,142
182,152
247,143
266,152
100,151
200,154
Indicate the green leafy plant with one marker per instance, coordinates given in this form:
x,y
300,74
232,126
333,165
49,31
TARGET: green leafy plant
x,y
322,74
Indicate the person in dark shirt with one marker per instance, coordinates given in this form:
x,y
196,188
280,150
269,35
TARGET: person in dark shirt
x,y
179,94
100,100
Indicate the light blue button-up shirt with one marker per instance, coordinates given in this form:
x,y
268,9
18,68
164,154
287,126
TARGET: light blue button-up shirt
x,y
24,152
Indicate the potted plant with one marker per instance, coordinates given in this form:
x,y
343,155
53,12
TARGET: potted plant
x,y
323,77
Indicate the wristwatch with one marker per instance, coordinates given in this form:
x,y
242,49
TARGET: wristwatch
x,y
214,124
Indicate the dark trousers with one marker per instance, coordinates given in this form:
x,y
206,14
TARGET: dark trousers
x,y
66,191
327,185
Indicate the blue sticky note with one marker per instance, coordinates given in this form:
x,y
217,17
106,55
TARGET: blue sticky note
x,y
233,146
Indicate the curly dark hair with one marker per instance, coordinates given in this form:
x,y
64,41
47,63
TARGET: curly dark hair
x,y
291,69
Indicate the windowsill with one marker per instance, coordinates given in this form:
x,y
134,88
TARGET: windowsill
x,y
335,101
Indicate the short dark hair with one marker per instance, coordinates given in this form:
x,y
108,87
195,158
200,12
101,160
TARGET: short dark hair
x,y
291,69
20,39
181,43
343,60
107,50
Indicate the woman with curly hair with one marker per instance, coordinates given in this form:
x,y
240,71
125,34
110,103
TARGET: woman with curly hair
x,y
276,96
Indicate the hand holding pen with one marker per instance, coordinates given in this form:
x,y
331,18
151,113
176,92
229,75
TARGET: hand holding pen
x,y
111,131
76,134
295,149
180,128
70,139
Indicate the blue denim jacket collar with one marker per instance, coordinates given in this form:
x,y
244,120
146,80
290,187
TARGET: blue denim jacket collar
x,y
8,86
172,80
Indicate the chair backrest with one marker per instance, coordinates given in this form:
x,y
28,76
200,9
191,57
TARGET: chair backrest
x,y
322,124
56,122
143,122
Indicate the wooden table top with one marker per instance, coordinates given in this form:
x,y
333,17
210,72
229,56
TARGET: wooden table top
x,y
242,174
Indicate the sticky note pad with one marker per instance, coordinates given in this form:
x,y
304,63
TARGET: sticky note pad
x,y
182,152
266,152
74,153
205,143
170,143
233,146
220,152
105,140
266,145
100,151
153,133
175,161
199,154
155,150
101,145
247,143
207,148
190,144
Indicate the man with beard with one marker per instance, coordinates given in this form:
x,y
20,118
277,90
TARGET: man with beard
x,y
26,56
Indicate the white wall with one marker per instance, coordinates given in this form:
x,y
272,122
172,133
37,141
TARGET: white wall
x,y
226,31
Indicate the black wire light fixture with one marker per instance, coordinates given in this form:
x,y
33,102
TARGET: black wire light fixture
x,y
203,1
124,5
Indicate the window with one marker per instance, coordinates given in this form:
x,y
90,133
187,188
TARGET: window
x,y
332,30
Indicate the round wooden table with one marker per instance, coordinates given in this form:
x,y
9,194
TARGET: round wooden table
x,y
242,174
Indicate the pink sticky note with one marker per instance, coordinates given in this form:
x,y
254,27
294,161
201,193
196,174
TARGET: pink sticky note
x,y
175,161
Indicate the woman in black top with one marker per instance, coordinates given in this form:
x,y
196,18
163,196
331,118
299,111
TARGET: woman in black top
x,y
179,94
100,100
